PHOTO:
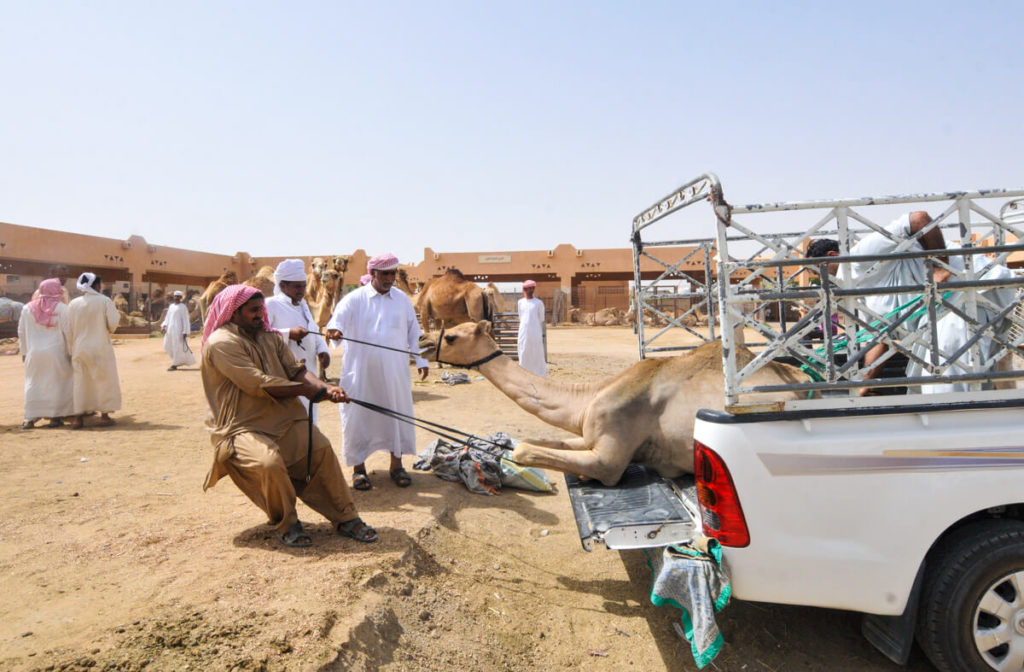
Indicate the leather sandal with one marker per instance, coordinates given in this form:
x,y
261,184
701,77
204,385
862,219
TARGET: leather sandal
x,y
401,477
358,530
360,481
295,536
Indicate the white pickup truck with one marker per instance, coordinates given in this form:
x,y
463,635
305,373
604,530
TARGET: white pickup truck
x,y
907,507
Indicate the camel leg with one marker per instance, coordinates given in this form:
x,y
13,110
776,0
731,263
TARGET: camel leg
x,y
605,461
575,443
425,317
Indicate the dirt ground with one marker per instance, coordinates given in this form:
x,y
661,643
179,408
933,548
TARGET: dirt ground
x,y
114,557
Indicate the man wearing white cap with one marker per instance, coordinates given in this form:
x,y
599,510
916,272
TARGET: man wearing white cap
x,y
175,328
289,313
531,331
90,319
381,314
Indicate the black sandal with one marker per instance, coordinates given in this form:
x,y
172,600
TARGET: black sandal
x,y
358,530
401,477
295,536
360,481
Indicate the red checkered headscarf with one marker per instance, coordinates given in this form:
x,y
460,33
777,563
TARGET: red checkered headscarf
x,y
224,306
44,309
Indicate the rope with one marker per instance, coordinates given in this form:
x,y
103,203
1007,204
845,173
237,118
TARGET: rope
x,y
428,425
375,345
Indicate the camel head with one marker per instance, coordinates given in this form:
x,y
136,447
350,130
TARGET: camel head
x,y
331,280
461,345
317,266
340,263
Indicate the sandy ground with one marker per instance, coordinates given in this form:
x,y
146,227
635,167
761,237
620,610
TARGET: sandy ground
x,y
114,557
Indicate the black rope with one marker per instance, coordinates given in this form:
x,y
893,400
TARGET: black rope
x,y
375,345
429,426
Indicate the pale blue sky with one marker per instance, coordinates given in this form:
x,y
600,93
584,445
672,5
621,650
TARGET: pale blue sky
x,y
321,127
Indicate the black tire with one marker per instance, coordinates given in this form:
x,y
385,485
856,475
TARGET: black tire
x,y
971,563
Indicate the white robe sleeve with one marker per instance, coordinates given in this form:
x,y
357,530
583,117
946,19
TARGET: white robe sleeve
x,y
413,333
113,317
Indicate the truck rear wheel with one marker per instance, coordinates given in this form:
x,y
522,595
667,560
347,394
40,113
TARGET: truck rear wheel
x,y
971,617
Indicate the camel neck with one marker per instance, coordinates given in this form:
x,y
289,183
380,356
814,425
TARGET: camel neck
x,y
558,404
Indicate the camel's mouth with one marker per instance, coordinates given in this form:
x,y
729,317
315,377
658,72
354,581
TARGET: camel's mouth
x,y
428,345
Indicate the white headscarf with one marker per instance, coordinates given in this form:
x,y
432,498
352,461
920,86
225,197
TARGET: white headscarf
x,y
180,293
289,270
84,283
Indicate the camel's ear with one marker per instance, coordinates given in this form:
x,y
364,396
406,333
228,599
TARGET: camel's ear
x,y
484,327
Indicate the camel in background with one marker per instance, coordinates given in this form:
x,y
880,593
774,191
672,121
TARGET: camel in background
x,y
402,283
495,299
322,292
645,414
451,299
214,288
263,281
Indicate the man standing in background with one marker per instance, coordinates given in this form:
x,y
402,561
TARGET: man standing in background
x,y
531,331
91,318
175,328
289,313
377,313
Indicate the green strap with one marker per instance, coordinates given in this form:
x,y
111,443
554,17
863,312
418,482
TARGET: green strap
x,y
865,334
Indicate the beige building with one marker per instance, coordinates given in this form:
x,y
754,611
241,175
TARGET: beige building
x,y
589,278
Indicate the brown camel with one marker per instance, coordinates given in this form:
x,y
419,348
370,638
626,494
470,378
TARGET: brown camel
x,y
609,317
645,414
322,293
451,299
317,266
494,299
214,288
402,283
263,281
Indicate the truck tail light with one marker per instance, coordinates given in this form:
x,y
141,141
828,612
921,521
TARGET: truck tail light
x,y
721,513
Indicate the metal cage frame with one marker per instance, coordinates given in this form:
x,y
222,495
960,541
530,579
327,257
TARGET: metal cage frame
x,y
746,281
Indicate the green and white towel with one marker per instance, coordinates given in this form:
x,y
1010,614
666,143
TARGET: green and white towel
x,y
693,580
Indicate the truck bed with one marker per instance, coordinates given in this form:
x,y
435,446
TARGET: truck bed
x,y
642,510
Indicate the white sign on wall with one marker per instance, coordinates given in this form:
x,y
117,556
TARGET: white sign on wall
x,y
494,258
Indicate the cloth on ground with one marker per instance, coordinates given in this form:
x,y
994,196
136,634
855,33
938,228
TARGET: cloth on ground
x,y
691,578
482,466
454,378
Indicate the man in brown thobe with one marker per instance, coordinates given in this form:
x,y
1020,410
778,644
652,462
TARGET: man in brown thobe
x,y
259,428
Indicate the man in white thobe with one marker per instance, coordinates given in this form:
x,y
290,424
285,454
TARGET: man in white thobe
x,y
952,330
59,271
175,328
91,318
381,314
531,331
289,314
45,353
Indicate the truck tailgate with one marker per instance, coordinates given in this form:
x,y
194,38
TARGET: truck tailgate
x,y
642,510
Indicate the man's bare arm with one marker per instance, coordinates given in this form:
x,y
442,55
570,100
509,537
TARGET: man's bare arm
x,y
309,387
931,240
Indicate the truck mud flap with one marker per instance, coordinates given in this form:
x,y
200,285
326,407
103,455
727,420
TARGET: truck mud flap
x,y
642,510
894,635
